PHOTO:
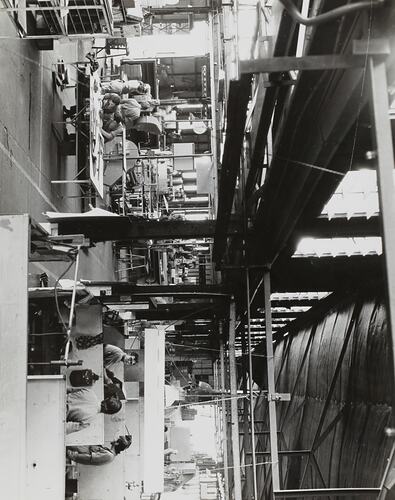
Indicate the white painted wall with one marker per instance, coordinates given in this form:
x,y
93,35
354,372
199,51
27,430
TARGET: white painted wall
x,y
104,482
46,412
154,415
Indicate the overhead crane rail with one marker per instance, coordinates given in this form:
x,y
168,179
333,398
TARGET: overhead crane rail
x,y
119,228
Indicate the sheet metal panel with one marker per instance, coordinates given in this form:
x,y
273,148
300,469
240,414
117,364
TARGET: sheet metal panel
x,y
14,238
355,450
46,448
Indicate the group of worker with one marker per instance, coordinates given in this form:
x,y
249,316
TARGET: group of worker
x,y
122,105
83,406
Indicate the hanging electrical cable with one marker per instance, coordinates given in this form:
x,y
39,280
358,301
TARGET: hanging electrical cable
x,y
330,15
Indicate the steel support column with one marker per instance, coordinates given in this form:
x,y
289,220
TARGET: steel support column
x,y
271,383
305,63
385,180
234,403
224,417
213,101
246,426
251,383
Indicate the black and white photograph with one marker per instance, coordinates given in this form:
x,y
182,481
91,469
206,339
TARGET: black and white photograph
x,y
197,249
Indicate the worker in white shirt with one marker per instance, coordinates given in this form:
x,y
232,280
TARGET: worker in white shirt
x,y
98,454
83,407
113,355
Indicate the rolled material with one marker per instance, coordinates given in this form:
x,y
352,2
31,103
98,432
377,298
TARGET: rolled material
x,y
189,177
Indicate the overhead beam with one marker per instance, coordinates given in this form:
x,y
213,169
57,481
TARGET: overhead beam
x,y
129,229
326,273
321,111
291,183
239,92
305,63
114,288
207,312
171,11
340,227
259,131
328,492
284,32
285,452
277,314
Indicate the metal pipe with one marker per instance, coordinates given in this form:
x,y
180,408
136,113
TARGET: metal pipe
x,y
72,306
235,11
158,157
163,11
213,94
124,170
293,11
56,37
233,403
78,362
302,29
72,181
188,120
51,9
61,362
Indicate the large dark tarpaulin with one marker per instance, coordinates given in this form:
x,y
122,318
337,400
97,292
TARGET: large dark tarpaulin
x,y
355,451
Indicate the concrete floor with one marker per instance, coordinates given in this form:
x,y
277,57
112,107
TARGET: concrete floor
x,y
30,106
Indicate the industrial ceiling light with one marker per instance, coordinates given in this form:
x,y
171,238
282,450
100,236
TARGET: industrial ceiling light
x,y
370,155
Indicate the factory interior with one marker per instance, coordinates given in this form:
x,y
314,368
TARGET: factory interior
x,y
199,199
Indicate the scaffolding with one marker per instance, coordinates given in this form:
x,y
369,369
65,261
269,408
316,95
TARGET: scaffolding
x,y
265,450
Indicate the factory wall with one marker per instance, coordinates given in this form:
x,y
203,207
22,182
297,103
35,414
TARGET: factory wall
x,y
354,451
